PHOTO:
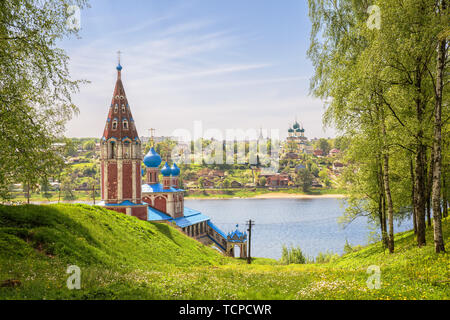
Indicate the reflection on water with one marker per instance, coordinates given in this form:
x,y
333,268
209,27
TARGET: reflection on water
x,y
311,224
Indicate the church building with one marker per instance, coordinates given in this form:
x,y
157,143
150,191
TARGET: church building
x,y
296,139
120,157
123,188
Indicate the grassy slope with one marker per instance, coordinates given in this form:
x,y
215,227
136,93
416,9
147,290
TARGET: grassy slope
x,y
123,258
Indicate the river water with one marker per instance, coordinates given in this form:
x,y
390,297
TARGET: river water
x,y
311,224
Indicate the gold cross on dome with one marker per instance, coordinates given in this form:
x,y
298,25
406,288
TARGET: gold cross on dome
x,y
118,54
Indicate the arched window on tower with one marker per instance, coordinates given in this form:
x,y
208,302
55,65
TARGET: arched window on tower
x,y
126,149
114,124
116,108
125,124
112,150
123,108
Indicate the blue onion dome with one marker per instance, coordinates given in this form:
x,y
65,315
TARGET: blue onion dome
x,y
298,130
152,159
175,170
119,67
166,171
291,130
296,125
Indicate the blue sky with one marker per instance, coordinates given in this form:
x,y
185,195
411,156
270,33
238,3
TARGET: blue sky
x,y
231,64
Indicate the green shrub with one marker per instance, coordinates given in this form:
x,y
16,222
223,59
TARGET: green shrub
x,y
348,248
292,255
324,257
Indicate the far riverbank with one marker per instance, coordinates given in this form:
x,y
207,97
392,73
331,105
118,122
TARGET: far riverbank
x,y
196,194
274,195
282,193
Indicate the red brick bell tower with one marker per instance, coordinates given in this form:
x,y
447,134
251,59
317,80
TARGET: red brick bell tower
x,y
121,157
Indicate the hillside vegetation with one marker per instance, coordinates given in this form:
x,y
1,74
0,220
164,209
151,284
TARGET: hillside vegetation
x,y
121,257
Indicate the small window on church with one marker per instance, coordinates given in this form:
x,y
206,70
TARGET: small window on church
x,y
126,153
121,97
123,108
116,108
112,149
125,124
114,125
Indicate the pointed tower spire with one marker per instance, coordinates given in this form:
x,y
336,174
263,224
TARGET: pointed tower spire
x,y
120,123
121,157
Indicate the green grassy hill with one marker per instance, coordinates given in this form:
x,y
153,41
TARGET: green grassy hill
x,y
121,257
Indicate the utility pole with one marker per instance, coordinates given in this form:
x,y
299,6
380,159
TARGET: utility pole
x,y
28,193
250,224
59,188
93,193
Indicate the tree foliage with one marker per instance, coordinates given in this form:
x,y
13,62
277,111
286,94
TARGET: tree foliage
x,y
304,179
379,84
292,255
35,87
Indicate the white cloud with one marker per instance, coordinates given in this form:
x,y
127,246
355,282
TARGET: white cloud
x,y
179,75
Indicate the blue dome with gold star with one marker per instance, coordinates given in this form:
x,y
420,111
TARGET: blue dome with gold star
x,y
166,171
152,159
175,170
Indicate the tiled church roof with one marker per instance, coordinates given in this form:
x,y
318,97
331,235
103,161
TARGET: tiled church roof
x,y
118,101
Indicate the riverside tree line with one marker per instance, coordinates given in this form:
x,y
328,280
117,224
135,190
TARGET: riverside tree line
x,y
386,88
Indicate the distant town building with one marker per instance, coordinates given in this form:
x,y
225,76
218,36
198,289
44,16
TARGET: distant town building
x,y
296,139
337,166
316,184
216,173
309,149
334,152
318,153
291,155
208,183
276,179
299,167
203,172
